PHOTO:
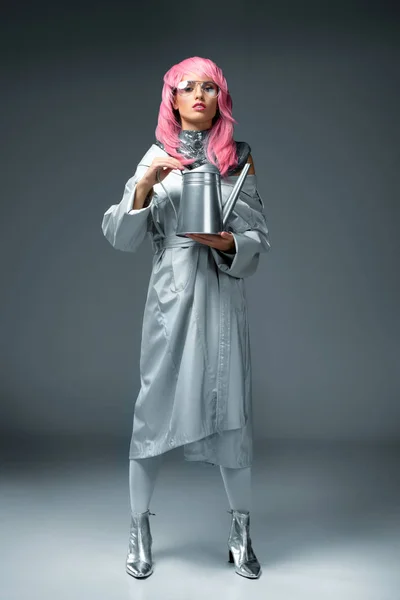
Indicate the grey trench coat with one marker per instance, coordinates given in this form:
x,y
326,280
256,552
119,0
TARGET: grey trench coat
x,y
195,363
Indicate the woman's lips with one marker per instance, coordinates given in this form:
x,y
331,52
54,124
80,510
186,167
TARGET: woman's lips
x,y
199,107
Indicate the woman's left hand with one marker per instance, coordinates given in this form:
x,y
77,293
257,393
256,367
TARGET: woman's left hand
x,y
223,241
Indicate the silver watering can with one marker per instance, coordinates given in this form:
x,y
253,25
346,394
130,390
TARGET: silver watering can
x,y
200,207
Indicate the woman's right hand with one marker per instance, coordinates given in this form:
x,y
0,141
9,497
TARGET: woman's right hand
x,y
164,166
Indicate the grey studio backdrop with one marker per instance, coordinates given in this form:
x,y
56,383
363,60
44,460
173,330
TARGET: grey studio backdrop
x,y
315,92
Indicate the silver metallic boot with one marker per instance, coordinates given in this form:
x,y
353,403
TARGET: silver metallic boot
x,y
239,544
139,562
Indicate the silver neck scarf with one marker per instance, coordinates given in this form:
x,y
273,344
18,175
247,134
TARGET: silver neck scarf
x,y
193,144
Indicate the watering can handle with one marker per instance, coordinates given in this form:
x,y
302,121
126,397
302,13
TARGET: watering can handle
x,y
229,206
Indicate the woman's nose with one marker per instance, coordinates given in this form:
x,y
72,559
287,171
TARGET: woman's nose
x,y
199,91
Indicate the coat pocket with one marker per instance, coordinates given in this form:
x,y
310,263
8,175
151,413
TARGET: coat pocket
x,y
182,265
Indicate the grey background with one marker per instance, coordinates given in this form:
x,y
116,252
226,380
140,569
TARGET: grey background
x,y
315,90
315,93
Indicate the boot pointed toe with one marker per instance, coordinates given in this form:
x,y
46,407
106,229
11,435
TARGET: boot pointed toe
x,y
138,569
250,569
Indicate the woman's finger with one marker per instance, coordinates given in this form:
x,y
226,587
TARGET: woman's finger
x,y
168,162
211,240
207,236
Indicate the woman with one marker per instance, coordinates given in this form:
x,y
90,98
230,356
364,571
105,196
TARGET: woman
x,y
195,362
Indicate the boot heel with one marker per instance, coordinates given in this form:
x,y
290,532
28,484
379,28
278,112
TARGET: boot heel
x,y
231,557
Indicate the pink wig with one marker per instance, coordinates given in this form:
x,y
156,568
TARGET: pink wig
x,y
221,148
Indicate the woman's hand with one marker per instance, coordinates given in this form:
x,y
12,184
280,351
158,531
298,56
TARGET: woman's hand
x,y
223,241
164,165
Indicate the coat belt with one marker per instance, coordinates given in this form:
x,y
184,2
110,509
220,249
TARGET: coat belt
x,y
172,241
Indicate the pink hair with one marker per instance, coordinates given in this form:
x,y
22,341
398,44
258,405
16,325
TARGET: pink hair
x,y
221,148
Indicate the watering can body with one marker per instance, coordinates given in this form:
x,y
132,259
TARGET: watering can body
x,y
200,207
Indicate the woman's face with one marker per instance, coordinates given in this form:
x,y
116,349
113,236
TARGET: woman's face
x,y
192,117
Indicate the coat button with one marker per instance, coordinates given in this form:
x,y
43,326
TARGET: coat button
x,y
171,442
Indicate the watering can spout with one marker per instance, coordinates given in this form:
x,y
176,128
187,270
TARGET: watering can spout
x,y
230,203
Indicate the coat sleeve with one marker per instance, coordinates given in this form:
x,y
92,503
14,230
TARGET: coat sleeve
x,y
248,225
126,228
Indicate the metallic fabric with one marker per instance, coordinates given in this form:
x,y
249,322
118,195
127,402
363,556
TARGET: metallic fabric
x,y
139,561
193,144
195,363
240,548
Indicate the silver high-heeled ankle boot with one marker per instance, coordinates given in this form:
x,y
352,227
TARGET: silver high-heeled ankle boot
x,y
239,544
139,562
